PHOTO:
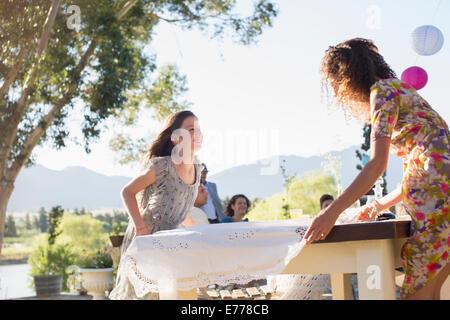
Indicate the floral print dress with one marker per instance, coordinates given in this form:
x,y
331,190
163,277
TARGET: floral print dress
x,y
421,137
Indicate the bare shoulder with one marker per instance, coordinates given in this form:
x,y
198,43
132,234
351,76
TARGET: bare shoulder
x,y
142,181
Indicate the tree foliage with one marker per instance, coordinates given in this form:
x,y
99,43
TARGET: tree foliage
x,y
52,60
47,259
10,227
54,220
304,193
28,225
83,232
43,220
365,153
52,257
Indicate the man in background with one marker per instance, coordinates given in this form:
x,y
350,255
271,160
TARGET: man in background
x,y
325,201
213,207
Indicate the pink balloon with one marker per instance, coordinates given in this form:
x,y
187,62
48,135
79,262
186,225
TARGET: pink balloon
x,y
415,76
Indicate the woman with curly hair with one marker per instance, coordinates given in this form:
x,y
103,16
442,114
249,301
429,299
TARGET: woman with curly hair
x,y
402,122
237,208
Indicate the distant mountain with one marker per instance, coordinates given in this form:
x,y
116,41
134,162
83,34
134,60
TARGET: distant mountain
x,y
78,187
248,179
73,187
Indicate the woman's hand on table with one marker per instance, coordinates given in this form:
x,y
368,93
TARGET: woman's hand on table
x,y
142,230
367,212
321,226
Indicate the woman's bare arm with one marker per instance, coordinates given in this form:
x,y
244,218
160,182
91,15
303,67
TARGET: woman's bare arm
x,y
367,177
129,193
325,220
390,199
367,213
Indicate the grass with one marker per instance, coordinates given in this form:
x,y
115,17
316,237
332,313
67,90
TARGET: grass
x,y
15,255
17,249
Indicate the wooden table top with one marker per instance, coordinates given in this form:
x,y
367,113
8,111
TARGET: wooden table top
x,y
388,229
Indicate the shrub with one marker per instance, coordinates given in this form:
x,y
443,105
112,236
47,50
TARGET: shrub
x,y
53,259
118,228
98,259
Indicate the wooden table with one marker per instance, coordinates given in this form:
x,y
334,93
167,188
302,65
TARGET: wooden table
x,y
370,249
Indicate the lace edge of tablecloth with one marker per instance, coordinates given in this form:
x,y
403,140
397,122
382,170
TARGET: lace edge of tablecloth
x,y
143,285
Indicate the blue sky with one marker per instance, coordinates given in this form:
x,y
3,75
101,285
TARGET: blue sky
x,y
264,99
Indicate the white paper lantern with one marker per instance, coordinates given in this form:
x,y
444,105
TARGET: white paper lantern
x,y
427,40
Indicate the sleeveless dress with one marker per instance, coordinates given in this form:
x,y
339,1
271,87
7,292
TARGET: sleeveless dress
x,y
164,206
421,137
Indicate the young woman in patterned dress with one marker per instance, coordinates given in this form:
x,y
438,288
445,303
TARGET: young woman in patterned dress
x,y
402,122
162,196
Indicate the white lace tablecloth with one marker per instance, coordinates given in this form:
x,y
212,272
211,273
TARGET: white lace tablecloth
x,y
183,259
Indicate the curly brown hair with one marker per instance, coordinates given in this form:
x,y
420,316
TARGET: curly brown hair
x,y
349,70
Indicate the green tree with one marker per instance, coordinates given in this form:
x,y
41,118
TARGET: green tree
x,y
363,155
107,221
118,228
51,58
287,182
254,202
35,223
304,193
269,209
43,220
165,97
105,218
120,216
28,225
10,227
365,146
83,232
54,219
79,212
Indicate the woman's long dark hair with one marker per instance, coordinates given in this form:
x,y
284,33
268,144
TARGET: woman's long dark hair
x,y
163,145
230,211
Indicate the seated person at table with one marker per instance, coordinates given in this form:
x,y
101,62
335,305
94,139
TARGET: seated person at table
x,y
325,201
197,216
237,208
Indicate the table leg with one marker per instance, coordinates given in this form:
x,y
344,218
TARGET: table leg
x,y
376,270
341,286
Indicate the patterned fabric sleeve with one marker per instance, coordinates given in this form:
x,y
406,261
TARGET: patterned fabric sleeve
x,y
161,168
161,172
384,111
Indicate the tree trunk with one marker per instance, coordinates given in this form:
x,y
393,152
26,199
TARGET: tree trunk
x,y
6,189
7,184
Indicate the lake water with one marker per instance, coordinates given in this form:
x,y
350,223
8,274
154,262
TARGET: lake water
x,y
13,281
